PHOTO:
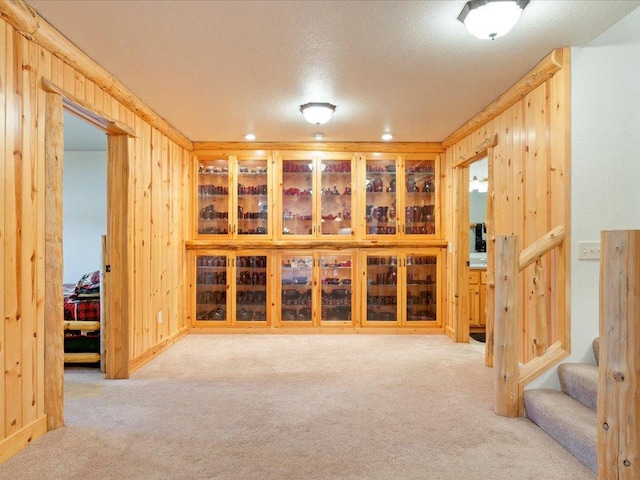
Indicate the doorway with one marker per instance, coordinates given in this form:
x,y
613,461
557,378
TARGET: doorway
x,y
84,223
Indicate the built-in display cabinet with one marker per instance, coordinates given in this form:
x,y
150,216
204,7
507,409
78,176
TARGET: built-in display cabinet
x,y
301,240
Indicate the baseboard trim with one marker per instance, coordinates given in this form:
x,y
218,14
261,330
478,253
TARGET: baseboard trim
x,y
18,441
154,351
317,330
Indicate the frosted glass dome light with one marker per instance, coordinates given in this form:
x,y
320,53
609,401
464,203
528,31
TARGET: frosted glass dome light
x,y
317,113
488,19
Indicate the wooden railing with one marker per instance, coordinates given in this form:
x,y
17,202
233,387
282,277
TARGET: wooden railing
x,y
619,372
510,376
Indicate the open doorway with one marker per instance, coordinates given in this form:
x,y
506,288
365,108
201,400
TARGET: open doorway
x,y
84,206
477,263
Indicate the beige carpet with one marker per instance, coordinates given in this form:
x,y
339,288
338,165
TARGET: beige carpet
x,y
295,407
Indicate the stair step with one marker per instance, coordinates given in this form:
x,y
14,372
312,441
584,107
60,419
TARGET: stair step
x,y
567,421
596,349
580,381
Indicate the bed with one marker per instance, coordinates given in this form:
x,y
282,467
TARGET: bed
x,y
82,332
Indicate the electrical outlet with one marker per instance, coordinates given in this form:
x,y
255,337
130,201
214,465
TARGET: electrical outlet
x,y
588,250
160,317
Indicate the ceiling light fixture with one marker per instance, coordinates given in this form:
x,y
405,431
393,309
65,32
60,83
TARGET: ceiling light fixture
x,y
387,137
317,113
488,19
250,137
318,136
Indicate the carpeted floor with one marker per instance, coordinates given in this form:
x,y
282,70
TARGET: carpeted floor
x,y
244,407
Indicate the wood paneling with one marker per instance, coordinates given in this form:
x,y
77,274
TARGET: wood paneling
x,y
529,189
29,253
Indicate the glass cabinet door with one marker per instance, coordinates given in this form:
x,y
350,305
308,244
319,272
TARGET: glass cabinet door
x,y
297,197
380,188
213,197
336,204
251,288
421,280
253,197
420,194
296,277
336,280
211,288
382,288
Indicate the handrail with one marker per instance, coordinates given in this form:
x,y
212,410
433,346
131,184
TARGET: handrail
x,y
540,247
509,375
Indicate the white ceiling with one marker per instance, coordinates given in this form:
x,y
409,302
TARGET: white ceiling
x,y
219,69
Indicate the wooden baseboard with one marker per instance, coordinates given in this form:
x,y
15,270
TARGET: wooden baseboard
x,y
154,351
21,439
319,330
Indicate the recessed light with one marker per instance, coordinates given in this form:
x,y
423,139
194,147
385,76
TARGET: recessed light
x,y
387,137
250,137
318,136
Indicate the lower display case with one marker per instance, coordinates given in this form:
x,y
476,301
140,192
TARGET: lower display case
x,y
317,289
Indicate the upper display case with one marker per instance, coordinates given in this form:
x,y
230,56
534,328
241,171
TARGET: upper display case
x,y
316,196
234,195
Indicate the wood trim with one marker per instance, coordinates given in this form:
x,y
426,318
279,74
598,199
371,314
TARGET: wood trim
x,y
156,350
328,245
18,441
31,25
88,112
462,304
382,330
539,365
618,410
537,76
477,153
53,316
200,147
117,329
490,295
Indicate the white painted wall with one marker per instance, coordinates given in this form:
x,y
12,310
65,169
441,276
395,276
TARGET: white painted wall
x,y
605,171
84,211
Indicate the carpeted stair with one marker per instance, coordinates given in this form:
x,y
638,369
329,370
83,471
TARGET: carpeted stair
x,y
569,416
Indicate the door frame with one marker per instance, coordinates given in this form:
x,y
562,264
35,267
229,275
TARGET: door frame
x,y
115,297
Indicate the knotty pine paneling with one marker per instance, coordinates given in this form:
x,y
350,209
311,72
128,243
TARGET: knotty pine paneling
x,y
530,176
155,241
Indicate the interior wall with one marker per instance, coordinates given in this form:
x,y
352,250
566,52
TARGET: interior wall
x,y
530,181
84,212
156,239
605,173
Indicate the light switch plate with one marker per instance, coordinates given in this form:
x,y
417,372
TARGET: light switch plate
x,y
588,250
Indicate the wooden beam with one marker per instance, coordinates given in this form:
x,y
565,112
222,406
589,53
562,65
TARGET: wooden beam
x,y
53,317
541,246
619,373
382,147
507,327
478,152
540,74
27,22
82,325
81,357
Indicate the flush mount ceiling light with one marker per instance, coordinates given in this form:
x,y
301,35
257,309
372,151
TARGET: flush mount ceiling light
x,y
317,113
387,137
318,136
488,19
250,137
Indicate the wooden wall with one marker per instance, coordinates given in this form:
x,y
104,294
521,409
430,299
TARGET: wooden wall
x,y
530,181
155,241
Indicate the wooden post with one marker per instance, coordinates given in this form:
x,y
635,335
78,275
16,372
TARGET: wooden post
x,y
53,317
619,372
506,329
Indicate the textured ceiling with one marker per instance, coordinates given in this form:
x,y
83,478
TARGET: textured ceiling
x,y
219,69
